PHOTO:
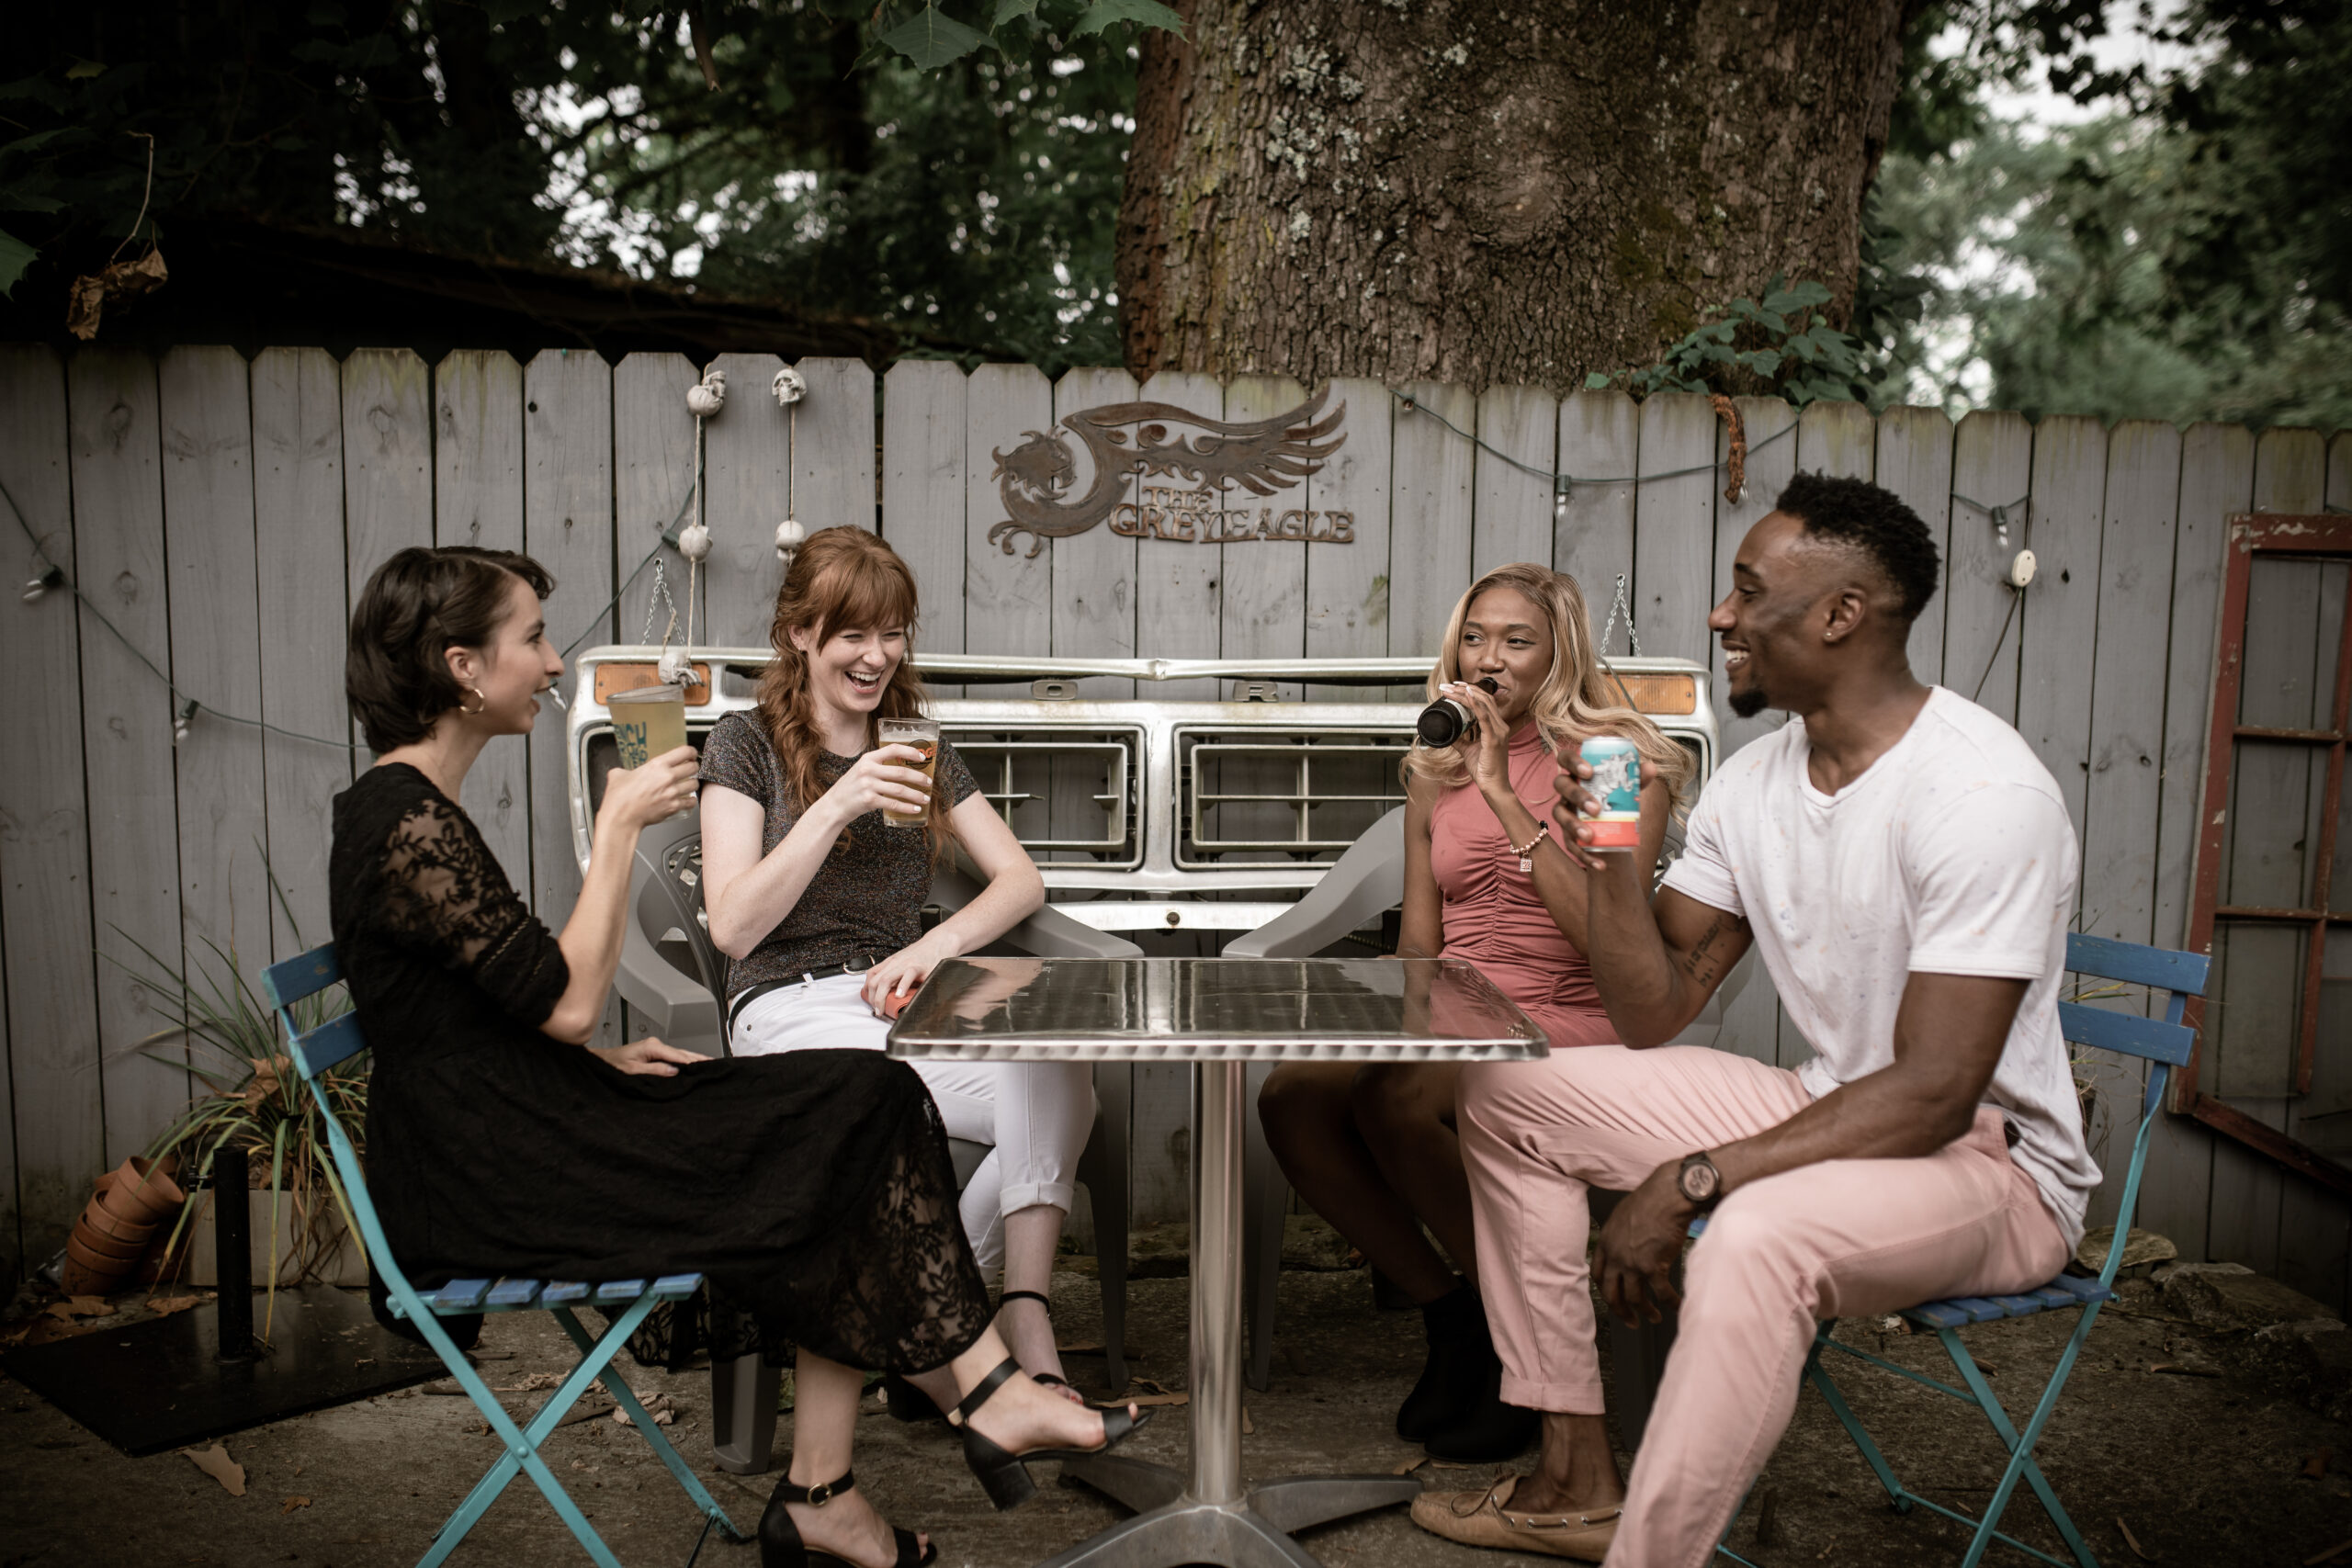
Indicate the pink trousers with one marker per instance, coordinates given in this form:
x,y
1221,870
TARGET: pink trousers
x,y
1841,1238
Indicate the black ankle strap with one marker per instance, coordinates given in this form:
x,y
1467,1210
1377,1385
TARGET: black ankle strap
x,y
816,1496
971,1403
1038,1296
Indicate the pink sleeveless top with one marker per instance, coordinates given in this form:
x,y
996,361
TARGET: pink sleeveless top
x,y
1493,916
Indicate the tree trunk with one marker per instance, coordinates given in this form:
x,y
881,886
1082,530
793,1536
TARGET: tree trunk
x,y
1483,191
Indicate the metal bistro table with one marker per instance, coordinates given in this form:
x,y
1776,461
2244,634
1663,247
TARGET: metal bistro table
x,y
1219,1014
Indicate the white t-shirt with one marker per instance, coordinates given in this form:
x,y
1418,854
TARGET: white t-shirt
x,y
1951,855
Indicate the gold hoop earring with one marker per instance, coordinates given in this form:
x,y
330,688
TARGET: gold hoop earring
x,y
475,713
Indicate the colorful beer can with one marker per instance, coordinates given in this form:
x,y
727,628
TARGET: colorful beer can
x,y
1617,780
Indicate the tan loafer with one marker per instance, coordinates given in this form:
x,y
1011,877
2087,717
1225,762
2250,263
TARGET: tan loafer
x,y
1480,1518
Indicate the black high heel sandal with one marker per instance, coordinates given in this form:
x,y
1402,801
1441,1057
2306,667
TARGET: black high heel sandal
x,y
1003,1475
1049,1379
780,1543
905,1402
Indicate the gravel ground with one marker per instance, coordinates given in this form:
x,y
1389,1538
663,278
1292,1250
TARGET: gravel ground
x,y
2202,1469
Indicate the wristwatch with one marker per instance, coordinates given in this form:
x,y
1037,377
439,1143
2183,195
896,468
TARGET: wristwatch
x,y
1699,1181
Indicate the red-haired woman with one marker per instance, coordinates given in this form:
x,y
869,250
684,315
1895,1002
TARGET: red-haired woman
x,y
818,904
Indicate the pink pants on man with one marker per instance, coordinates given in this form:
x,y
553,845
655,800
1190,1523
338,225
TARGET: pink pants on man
x,y
1841,1238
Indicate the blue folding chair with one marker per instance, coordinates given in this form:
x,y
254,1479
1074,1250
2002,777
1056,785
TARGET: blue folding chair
x,y
337,1040
2163,1044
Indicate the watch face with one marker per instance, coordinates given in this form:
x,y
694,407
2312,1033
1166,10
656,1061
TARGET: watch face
x,y
1699,1179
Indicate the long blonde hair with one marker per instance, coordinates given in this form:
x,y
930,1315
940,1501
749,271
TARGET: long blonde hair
x,y
841,578
1578,698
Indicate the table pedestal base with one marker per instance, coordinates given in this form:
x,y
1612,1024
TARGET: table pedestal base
x,y
1170,1528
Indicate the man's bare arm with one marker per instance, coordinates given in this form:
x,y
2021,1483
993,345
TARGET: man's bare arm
x,y
1656,961
1947,1039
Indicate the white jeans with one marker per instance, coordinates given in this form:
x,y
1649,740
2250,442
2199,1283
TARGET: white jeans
x,y
1034,1116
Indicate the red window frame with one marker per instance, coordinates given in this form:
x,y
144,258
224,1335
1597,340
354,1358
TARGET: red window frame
x,y
2280,535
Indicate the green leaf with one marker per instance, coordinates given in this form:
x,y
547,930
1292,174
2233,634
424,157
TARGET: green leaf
x,y
15,258
931,39
83,70
1008,9
1763,361
1595,380
1145,12
38,88
17,198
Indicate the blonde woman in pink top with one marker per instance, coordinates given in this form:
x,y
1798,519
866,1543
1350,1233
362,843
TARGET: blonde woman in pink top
x,y
1373,1149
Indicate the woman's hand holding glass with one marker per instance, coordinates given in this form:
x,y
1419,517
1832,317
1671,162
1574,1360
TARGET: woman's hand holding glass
x,y
880,779
638,797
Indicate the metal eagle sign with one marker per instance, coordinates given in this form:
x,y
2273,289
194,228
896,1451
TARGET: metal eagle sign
x,y
1126,442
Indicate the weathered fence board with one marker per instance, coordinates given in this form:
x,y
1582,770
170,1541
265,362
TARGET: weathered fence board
x,y
477,500
55,1139
1180,586
749,480
1992,457
1674,524
923,493
127,735
654,481
302,606
568,528
209,547
278,487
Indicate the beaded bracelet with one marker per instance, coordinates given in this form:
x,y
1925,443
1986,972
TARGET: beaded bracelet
x,y
1527,855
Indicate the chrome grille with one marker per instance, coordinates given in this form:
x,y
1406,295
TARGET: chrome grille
x,y
1268,792
1064,793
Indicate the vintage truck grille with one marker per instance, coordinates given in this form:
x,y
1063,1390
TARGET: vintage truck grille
x,y
1267,793
1068,794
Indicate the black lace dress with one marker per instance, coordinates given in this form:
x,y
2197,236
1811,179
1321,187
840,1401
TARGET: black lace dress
x,y
815,1188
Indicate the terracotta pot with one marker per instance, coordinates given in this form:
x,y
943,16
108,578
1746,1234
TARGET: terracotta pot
x,y
95,1265
143,1191
128,1232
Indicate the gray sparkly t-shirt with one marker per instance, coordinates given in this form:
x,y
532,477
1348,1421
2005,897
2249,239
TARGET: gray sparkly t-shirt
x,y
866,901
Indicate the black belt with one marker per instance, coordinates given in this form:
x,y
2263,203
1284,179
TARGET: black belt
x,y
750,993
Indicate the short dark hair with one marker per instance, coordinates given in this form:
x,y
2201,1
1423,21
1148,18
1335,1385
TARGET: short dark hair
x,y
1873,521
416,607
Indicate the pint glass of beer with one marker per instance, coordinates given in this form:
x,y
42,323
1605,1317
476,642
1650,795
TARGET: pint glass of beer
x,y
647,722
922,734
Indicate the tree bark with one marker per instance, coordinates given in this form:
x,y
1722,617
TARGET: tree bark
x,y
1485,191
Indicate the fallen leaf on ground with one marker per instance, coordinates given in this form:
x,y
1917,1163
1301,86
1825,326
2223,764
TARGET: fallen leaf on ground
x,y
215,1462
2176,1370
72,1307
586,1413
1410,1465
658,1410
1149,1385
1249,1428
1159,1399
2316,1466
1450,1464
1089,1349
293,1503
532,1384
163,1306
2132,1541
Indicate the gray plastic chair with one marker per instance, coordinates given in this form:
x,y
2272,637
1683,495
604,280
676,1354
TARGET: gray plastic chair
x,y
1361,885
672,977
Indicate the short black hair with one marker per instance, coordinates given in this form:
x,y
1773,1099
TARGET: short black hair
x,y
416,607
1873,521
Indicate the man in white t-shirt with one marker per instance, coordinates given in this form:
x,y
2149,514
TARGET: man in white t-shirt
x,y
1905,866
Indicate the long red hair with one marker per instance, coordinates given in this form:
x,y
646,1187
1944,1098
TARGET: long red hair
x,y
841,578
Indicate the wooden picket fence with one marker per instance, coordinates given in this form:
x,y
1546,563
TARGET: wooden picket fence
x,y
220,512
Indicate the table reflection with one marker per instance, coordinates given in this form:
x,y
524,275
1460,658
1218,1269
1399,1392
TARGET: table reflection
x,y
1365,1008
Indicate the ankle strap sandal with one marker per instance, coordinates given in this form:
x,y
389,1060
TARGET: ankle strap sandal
x,y
780,1543
1005,1475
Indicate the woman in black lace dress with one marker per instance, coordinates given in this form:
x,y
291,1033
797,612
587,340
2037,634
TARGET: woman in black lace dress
x,y
814,1191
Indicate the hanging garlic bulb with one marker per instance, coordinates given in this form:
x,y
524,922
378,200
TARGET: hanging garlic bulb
x,y
788,534
789,387
708,396
694,542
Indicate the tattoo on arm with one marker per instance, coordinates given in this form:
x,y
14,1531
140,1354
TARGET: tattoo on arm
x,y
1697,963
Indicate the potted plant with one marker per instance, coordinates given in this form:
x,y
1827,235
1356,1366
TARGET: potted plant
x,y
254,1100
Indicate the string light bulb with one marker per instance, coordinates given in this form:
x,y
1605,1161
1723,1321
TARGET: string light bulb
x,y
180,721
35,588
